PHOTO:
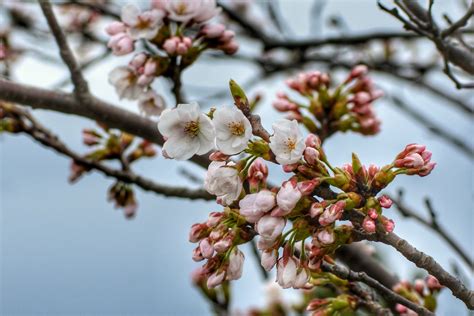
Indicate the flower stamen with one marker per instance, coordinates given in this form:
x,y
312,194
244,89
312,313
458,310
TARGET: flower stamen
x,y
191,128
236,128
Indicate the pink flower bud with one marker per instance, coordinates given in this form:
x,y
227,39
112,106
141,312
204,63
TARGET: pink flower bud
x,y
170,45
332,213
215,279
207,250
253,206
283,105
361,98
388,224
224,244
372,213
197,255
214,219
432,283
264,244
218,156
419,286
198,231
121,44
385,201
115,28
401,309
287,270
213,31
313,141
369,225
230,48
270,227
290,168
307,187
317,209
311,156
326,236
269,259
288,196
236,264
227,36
358,71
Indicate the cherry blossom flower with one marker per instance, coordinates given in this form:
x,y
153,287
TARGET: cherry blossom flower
x,y
269,259
287,197
289,274
185,11
233,130
270,227
223,181
287,143
125,81
141,24
416,159
332,213
151,103
253,206
187,130
236,265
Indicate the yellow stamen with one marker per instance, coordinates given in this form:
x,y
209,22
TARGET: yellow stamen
x,y
191,128
236,128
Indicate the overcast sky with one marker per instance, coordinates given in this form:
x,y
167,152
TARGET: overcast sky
x,y
65,250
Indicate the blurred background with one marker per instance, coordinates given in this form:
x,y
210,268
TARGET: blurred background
x,y
66,251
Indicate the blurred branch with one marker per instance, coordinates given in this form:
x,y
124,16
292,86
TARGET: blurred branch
x,y
433,224
420,20
432,127
347,274
81,88
39,133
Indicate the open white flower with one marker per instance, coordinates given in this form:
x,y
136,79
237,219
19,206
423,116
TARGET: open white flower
x,y
142,24
125,81
151,103
188,131
184,11
287,143
233,130
223,181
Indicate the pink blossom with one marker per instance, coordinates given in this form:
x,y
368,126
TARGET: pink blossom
x,y
207,250
369,225
121,44
236,264
198,231
317,209
385,201
289,274
223,244
288,196
307,187
141,24
372,213
213,31
311,156
177,45
218,156
416,159
326,236
264,244
253,206
188,11
270,227
214,219
197,255
257,174
115,28
313,141
332,213
269,259
432,283
215,279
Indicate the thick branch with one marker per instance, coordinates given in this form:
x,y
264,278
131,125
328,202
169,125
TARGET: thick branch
x,y
390,295
427,262
95,109
48,139
81,87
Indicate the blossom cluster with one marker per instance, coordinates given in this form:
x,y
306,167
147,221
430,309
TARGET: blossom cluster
x,y
175,33
421,291
327,109
299,223
112,145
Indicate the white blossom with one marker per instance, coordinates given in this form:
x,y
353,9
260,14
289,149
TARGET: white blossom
x,y
151,103
236,265
125,81
198,11
142,24
188,131
233,130
287,142
223,181
255,205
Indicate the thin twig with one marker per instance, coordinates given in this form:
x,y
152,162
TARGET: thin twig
x,y
81,87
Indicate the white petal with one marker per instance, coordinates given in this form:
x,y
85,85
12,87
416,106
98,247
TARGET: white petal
x,y
181,148
130,14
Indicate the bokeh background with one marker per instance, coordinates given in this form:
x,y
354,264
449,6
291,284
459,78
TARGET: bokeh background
x,y
66,251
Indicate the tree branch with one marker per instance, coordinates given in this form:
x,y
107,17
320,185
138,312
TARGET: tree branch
x,y
81,87
48,139
347,274
433,225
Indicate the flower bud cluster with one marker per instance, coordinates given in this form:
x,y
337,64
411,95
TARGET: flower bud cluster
x,y
327,110
422,291
168,26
